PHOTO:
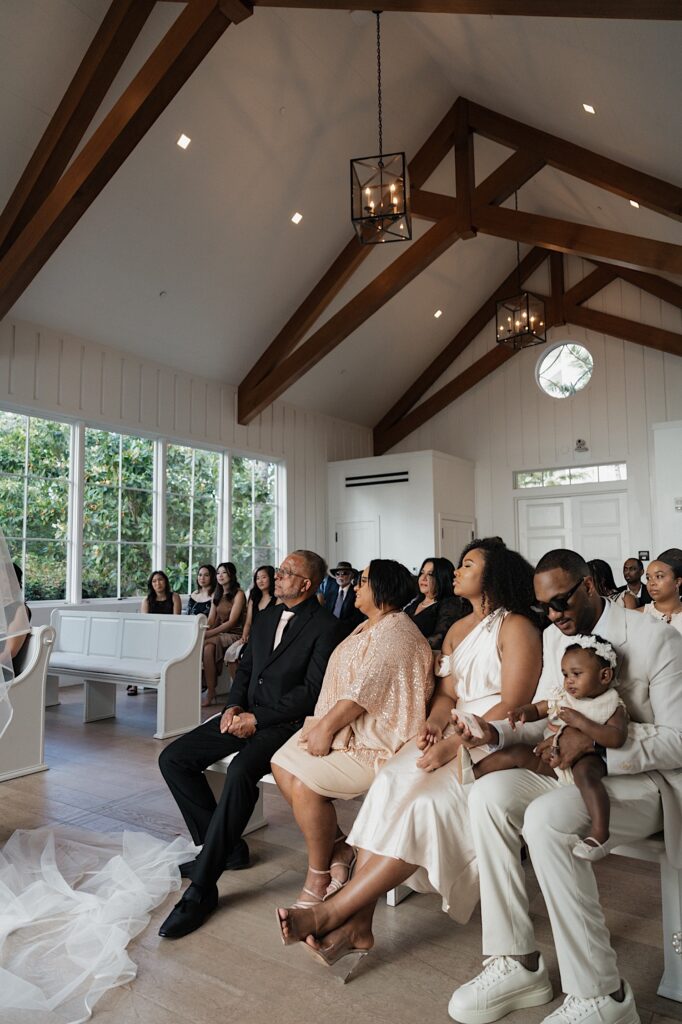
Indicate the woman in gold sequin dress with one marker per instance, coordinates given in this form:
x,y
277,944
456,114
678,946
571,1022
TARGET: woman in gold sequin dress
x,y
373,699
414,822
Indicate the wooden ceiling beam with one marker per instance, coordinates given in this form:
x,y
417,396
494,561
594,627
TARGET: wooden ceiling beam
x,y
195,31
465,175
519,167
501,183
431,205
658,195
474,374
422,165
663,289
471,329
556,272
590,285
651,10
580,239
628,330
109,48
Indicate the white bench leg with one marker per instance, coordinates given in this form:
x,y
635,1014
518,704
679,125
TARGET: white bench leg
x,y
671,892
397,895
52,692
100,701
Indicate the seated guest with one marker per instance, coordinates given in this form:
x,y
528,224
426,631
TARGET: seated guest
x,y
200,599
414,821
373,699
260,596
337,595
436,607
663,580
14,616
603,578
225,624
277,684
634,594
160,600
518,807
675,554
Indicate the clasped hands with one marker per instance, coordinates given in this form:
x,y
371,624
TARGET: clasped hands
x,y
238,722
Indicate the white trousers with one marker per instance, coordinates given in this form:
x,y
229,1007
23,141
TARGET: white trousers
x,y
512,807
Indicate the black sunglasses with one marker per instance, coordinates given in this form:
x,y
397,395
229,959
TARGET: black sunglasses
x,y
559,603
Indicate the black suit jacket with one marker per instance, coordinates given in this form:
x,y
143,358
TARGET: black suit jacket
x,y
283,685
350,616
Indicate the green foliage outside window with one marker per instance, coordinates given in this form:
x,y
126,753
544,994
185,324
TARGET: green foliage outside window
x,y
192,503
254,516
34,500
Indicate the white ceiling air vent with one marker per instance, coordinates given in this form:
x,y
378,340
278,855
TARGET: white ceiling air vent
x,y
374,479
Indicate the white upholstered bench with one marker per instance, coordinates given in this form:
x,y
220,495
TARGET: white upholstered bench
x,y
22,747
111,649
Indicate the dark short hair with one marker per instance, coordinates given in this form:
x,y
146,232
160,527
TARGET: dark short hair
x,y
601,573
443,573
640,563
562,558
507,580
391,583
315,565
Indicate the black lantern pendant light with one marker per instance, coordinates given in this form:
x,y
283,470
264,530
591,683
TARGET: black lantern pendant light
x,y
379,186
521,318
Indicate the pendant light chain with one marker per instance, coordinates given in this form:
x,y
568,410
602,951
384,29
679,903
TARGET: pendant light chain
x,y
381,127
518,249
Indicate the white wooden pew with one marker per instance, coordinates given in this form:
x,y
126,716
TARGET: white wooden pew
x,y
22,745
111,649
652,849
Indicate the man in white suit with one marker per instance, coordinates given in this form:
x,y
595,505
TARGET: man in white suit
x,y
510,808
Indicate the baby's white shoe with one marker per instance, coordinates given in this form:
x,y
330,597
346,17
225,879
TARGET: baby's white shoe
x,y
590,849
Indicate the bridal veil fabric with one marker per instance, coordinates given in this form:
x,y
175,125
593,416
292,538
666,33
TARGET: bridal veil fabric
x,y
70,900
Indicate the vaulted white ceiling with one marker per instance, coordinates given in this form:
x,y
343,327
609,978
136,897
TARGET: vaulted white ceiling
x,y
190,258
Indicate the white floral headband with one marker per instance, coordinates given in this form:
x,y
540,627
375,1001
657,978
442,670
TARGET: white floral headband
x,y
601,648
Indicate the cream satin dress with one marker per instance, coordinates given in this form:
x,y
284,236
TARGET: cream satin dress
x,y
421,817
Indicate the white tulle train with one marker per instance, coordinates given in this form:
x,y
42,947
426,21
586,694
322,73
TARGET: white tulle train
x,y
70,902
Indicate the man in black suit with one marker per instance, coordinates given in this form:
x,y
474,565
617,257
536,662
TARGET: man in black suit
x,y
277,684
337,595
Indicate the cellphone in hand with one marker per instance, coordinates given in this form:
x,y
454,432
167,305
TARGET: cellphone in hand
x,y
470,722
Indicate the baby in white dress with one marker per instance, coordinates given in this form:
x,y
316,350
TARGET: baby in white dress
x,y
589,703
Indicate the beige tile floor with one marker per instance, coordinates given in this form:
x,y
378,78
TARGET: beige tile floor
x,y
103,776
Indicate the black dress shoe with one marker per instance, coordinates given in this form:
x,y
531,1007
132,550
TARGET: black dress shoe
x,y
237,861
189,914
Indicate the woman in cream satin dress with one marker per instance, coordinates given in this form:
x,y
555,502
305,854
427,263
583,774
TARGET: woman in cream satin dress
x,y
414,821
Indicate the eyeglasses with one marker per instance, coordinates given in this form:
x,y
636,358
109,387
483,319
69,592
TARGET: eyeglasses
x,y
559,603
286,573
362,581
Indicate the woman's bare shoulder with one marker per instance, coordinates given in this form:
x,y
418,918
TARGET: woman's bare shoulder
x,y
458,630
517,627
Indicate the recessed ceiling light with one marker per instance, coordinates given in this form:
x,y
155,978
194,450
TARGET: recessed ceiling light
x,y
297,218
438,314
184,141
633,202
588,108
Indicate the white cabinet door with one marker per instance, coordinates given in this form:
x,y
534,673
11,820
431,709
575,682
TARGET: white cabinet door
x,y
455,534
357,541
544,524
594,525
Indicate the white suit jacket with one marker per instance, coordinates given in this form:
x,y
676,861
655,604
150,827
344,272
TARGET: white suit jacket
x,y
649,679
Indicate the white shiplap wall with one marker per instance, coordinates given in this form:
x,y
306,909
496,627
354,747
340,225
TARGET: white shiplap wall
x,y
45,372
506,423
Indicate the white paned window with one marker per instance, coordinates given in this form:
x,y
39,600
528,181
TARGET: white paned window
x,y
34,500
571,476
118,502
255,514
564,370
192,513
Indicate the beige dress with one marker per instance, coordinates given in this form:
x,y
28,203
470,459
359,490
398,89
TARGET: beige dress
x,y
421,817
386,669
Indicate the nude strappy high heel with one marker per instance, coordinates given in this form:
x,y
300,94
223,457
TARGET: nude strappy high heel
x,y
307,904
336,884
343,960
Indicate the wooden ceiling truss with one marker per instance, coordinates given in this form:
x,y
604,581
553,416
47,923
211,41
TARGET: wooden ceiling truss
x,y
478,209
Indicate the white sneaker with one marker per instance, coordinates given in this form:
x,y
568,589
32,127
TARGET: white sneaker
x,y
502,986
599,1010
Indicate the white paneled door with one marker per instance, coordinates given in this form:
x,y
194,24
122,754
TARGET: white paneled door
x,y
595,525
357,541
455,534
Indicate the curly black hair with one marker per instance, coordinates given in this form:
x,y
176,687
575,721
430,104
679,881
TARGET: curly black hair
x,y
507,579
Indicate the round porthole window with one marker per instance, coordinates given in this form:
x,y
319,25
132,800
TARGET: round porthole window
x,y
565,369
